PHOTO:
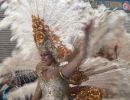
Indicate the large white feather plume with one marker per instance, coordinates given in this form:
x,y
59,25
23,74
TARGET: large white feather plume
x,y
114,76
62,19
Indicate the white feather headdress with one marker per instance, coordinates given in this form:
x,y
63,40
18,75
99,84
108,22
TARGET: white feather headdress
x,y
61,18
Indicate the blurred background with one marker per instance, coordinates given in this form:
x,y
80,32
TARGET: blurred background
x,y
6,46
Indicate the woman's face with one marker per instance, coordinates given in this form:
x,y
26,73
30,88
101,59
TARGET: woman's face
x,y
47,59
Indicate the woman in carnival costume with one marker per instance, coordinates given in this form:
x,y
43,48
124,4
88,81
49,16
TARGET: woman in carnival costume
x,y
50,40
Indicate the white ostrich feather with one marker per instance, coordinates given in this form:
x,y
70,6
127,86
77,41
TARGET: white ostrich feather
x,y
62,19
23,92
110,75
105,24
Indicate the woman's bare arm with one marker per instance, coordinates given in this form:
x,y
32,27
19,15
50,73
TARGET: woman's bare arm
x,y
71,67
38,93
